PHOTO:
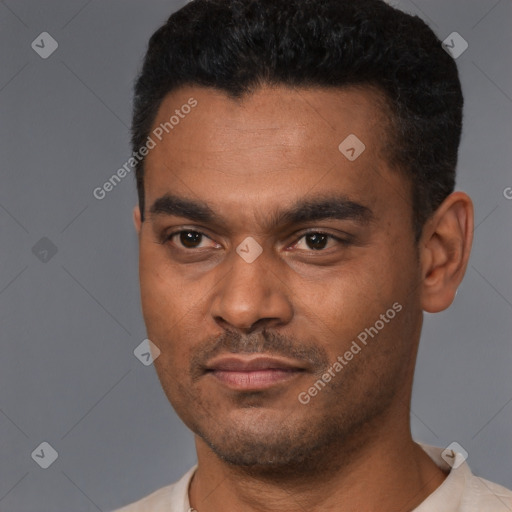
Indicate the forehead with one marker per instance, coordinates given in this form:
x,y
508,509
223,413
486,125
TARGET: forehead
x,y
277,144
289,116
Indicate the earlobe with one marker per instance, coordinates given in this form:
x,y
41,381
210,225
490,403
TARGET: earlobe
x,y
136,219
445,247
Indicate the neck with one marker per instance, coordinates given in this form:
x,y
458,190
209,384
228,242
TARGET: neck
x,y
385,472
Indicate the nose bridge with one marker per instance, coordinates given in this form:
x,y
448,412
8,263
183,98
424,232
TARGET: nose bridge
x,y
251,291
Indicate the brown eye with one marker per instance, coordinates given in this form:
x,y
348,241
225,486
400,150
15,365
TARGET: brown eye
x,y
187,239
318,241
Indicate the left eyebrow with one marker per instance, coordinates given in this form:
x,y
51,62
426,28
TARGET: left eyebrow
x,y
333,207
302,211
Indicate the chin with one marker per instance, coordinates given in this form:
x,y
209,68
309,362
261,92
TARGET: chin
x,y
268,442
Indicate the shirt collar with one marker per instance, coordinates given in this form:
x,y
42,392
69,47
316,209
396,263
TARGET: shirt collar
x,y
446,498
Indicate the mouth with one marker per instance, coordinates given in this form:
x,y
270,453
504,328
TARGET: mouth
x,y
253,374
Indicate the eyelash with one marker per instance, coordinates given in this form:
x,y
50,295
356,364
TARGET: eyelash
x,y
341,241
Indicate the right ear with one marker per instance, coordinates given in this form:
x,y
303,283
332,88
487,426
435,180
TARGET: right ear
x,y
136,219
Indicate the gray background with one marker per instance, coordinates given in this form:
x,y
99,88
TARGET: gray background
x,y
69,325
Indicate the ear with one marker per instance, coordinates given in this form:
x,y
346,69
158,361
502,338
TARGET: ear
x,y
136,219
445,246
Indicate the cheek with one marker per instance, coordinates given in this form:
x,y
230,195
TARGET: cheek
x,y
163,299
353,296
352,289
158,280
173,306
166,312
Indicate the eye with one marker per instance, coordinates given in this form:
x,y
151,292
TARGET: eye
x,y
188,239
318,241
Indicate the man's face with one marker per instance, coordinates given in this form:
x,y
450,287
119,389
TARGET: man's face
x,y
245,333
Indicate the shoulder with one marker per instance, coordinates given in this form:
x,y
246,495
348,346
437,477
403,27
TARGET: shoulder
x,y
154,502
462,491
171,498
481,494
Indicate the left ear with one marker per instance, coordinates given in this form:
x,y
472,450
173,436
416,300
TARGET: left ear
x,y
444,247
137,219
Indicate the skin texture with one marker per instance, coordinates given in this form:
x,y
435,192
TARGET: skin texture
x,y
350,447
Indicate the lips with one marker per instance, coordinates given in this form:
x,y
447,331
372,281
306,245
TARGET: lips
x,y
251,374
239,364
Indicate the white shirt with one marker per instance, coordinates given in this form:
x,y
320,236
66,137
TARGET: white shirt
x,y
461,491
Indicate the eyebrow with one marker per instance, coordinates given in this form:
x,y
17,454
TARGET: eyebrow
x,y
302,211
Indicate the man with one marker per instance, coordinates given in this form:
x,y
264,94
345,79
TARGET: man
x,y
297,214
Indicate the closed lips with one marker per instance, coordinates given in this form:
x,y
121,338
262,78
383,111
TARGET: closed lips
x,y
231,364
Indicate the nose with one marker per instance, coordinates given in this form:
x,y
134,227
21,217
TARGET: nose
x,y
252,295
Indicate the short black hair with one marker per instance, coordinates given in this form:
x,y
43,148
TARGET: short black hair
x,y
235,46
